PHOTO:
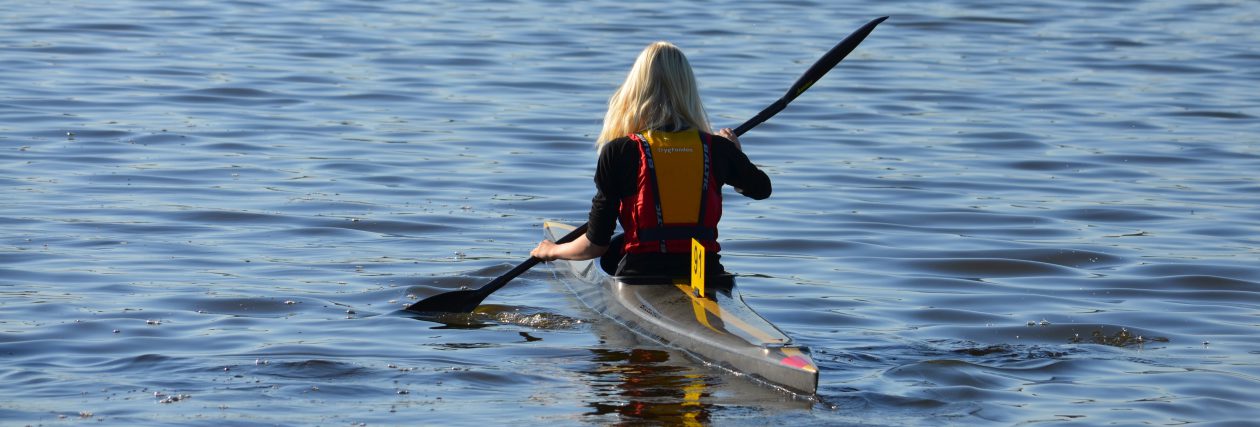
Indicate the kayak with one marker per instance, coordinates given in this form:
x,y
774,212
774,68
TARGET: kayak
x,y
717,328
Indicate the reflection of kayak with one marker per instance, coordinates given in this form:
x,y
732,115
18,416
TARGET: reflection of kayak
x,y
720,329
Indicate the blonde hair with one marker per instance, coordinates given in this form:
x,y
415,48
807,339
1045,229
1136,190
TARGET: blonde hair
x,y
659,93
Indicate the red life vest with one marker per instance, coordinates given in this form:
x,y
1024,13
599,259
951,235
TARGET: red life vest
x,y
677,198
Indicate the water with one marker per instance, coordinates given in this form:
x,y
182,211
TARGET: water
x,y
991,213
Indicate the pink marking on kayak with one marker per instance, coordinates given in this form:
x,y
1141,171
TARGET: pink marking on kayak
x,y
797,362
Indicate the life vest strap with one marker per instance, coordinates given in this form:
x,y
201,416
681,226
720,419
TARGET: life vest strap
x,y
656,189
681,232
704,177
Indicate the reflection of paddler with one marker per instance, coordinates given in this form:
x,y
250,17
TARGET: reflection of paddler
x,y
654,390
692,392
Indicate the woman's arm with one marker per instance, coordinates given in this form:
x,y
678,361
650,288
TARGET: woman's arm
x,y
577,250
741,173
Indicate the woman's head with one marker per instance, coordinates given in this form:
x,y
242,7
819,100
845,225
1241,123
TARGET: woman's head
x,y
659,93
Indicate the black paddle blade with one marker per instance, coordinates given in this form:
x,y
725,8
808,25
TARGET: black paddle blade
x,y
466,301
832,58
811,76
449,302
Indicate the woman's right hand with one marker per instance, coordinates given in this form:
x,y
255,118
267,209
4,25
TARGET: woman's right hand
x,y
577,250
545,251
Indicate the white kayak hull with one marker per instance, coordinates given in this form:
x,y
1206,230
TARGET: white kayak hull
x,y
719,329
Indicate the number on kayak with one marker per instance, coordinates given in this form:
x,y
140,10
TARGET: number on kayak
x,y
697,268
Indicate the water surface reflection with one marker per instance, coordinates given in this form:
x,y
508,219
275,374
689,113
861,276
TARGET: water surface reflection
x,y
642,385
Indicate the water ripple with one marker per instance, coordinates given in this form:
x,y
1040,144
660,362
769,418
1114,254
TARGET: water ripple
x,y
989,213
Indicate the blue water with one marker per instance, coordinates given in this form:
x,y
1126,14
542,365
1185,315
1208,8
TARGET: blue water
x,y
992,213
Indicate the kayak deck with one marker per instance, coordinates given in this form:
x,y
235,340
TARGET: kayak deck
x,y
719,329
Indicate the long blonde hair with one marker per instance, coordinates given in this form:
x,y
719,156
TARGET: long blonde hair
x,y
659,93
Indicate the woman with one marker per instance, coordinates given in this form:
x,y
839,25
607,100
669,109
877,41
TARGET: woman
x,y
660,173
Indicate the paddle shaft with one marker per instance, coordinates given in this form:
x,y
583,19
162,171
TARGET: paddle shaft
x,y
500,281
467,300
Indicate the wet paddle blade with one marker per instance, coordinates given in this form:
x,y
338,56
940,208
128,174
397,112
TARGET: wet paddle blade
x,y
466,301
449,302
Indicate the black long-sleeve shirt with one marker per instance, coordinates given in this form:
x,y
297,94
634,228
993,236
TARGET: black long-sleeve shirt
x,y
617,172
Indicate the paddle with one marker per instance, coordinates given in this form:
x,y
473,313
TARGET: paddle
x,y
815,72
464,301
